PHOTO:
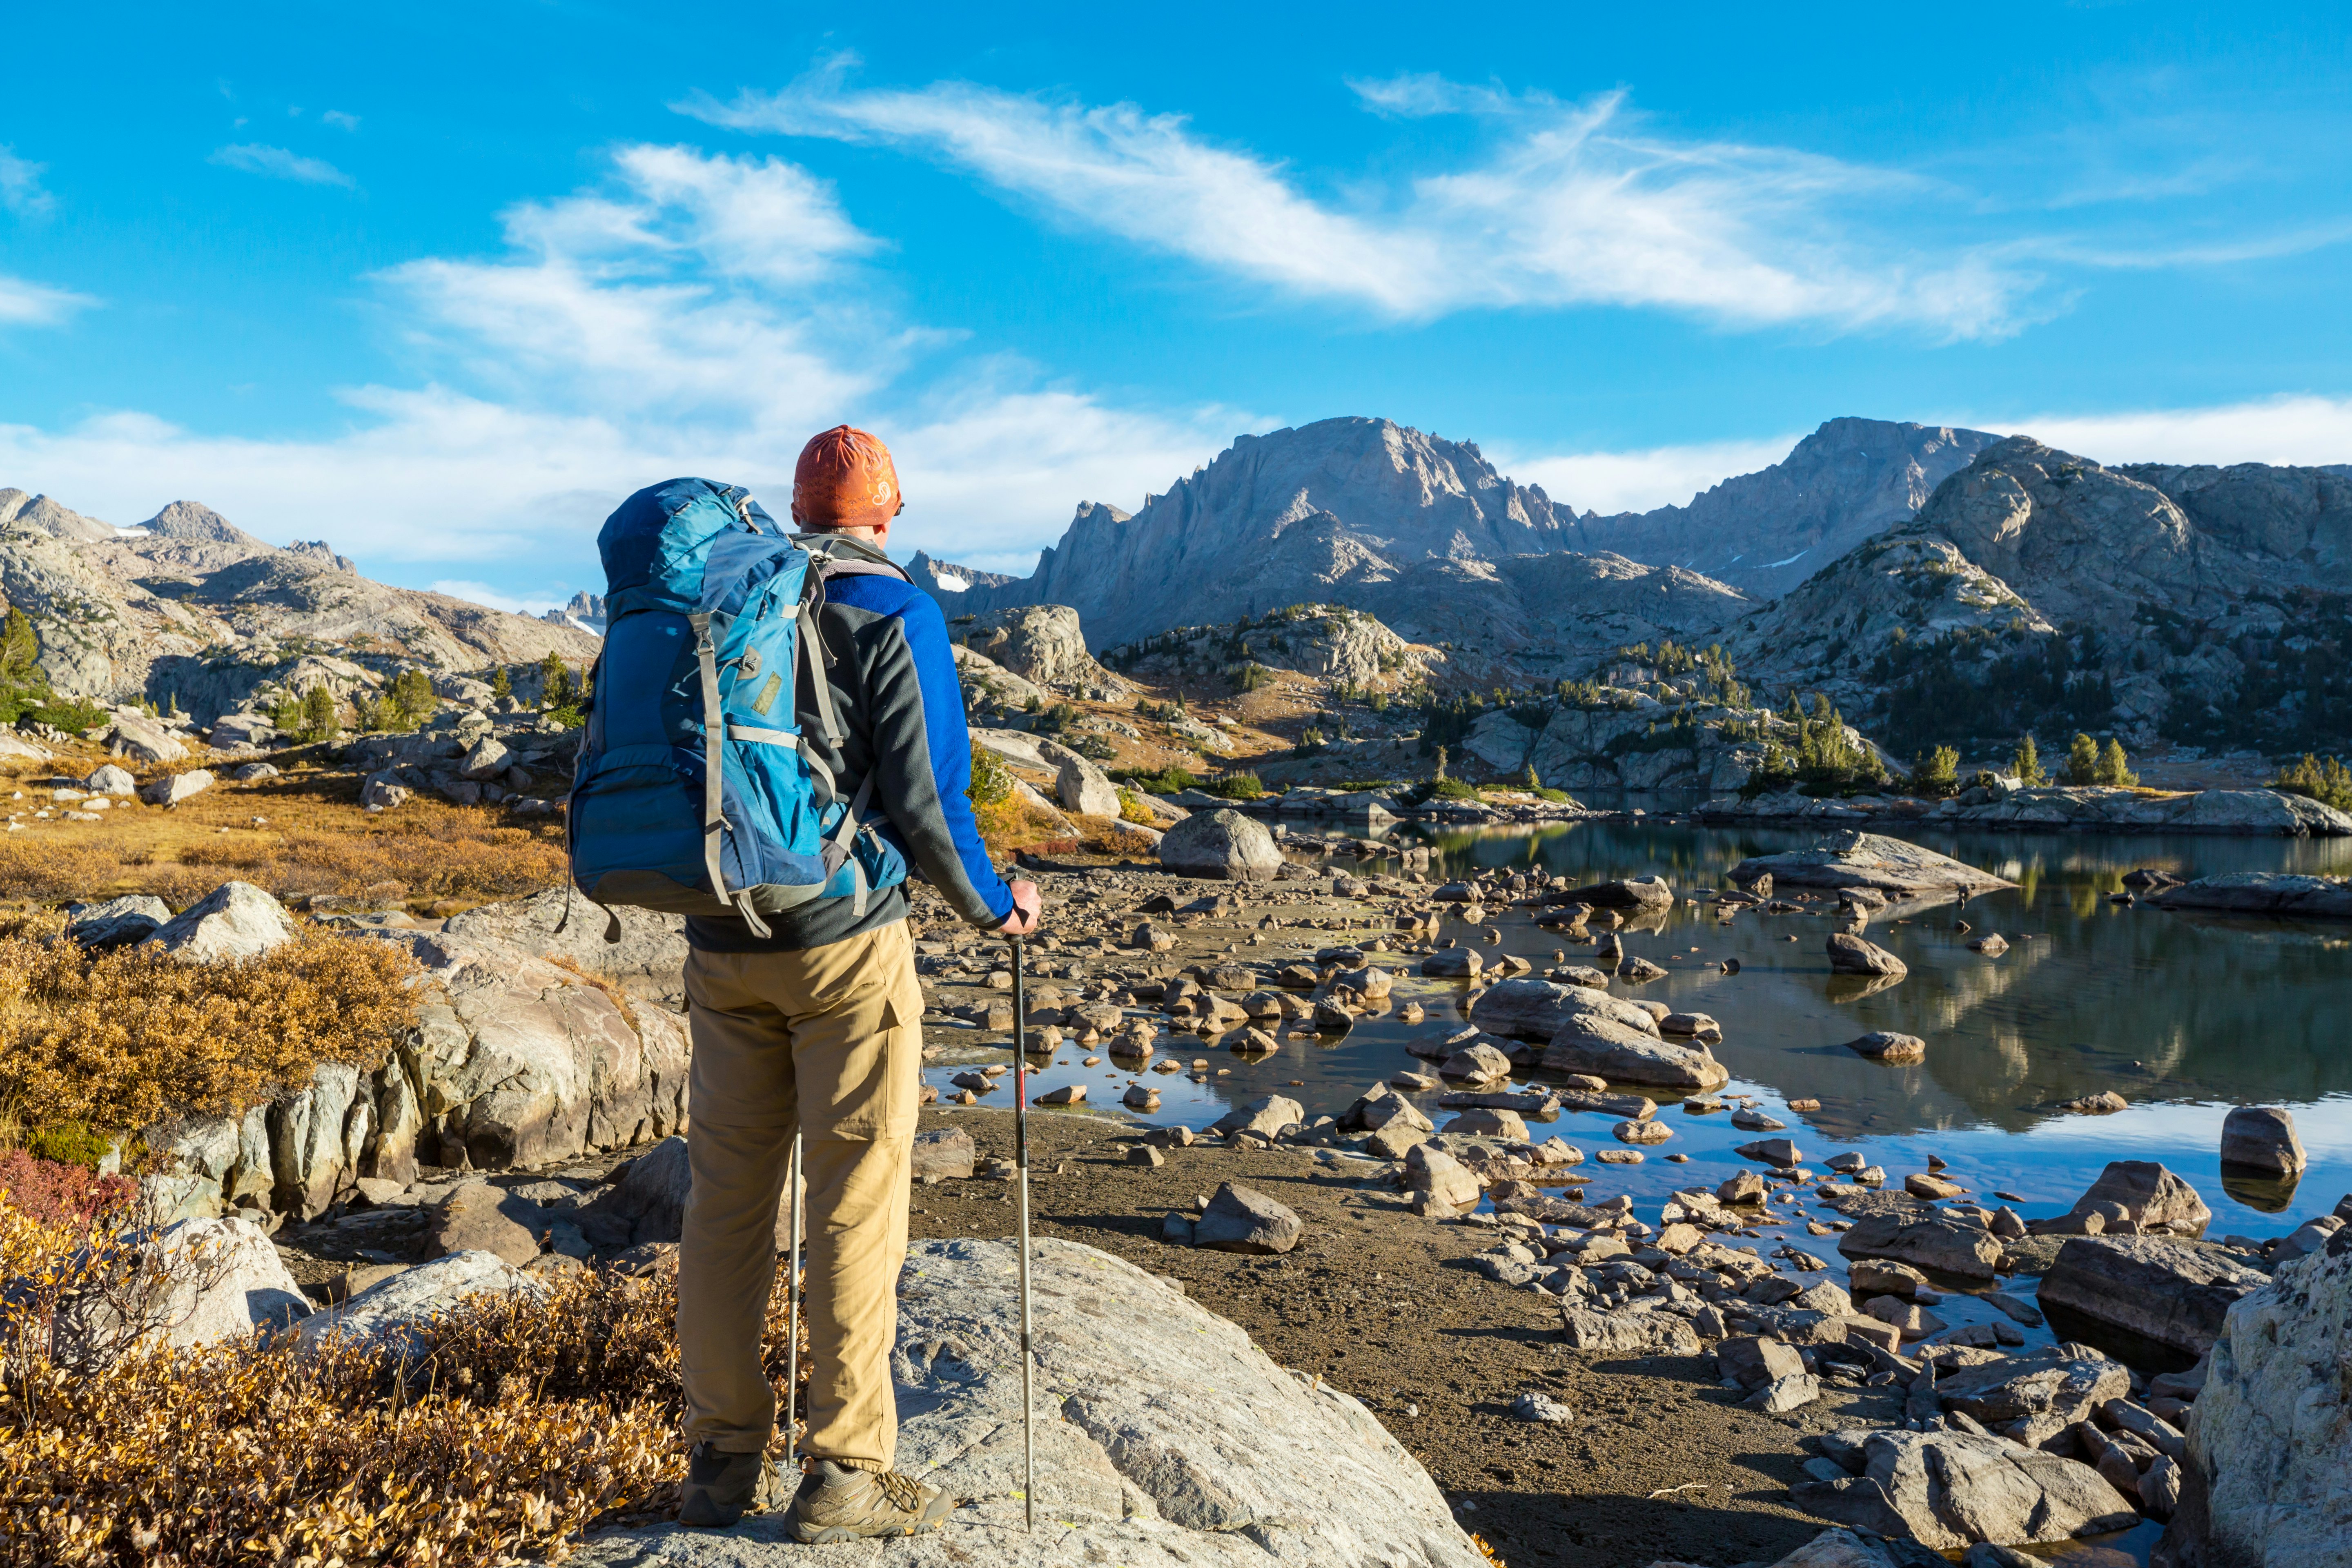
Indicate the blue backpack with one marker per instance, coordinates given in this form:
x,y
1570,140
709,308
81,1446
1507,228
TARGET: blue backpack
x,y
695,792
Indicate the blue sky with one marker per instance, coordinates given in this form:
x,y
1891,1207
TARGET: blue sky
x,y
439,284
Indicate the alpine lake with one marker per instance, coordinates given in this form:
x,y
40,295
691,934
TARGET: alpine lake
x,y
2183,1014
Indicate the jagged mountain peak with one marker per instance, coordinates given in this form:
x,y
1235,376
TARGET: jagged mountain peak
x,y
192,522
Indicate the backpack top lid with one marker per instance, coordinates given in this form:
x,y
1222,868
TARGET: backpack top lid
x,y
656,542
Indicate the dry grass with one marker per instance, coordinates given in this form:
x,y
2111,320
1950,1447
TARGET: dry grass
x,y
515,1424
315,838
114,1040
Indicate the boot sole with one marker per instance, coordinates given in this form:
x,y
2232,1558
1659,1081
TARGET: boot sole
x,y
835,1534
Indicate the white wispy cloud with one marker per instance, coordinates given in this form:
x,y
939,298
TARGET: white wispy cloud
x,y
2304,430
483,594
339,121
1573,205
20,185
24,303
280,164
1640,480
694,314
2294,431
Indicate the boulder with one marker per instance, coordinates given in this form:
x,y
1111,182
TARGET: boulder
x,y
174,788
474,1218
1622,1054
1894,867
1442,1178
647,1203
1453,964
2262,1138
1477,1063
2175,1293
487,759
1243,1219
143,740
1778,1151
1884,1046
391,1315
524,1063
1222,842
2265,1479
2263,893
1627,1333
2150,1196
1950,1489
1172,1439
2065,1382
1268,1114
1381,1106
1638,893
1848,954
1753,1363
108,779
117,923
235,920
224,1281
1941,1243
948,1154
1489,1121
1085,788
1529,1009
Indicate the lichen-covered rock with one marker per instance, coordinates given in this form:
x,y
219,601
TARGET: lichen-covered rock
x,y
2266,1479
1164,1437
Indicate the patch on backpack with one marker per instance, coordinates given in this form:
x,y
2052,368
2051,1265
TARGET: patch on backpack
x,y
768,694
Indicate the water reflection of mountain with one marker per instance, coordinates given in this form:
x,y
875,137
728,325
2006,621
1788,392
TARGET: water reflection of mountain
x,y
2090,996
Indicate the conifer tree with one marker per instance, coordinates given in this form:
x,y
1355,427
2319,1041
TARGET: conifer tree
x,y
320,721
2027,763
501,683
2083,761
2115,768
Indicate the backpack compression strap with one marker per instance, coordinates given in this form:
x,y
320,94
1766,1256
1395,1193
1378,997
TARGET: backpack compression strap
x,y
714,740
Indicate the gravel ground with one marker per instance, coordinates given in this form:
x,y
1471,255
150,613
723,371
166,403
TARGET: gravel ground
x,y
1378,1302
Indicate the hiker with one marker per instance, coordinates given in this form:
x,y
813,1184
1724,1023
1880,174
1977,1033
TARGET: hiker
x,y
815,1025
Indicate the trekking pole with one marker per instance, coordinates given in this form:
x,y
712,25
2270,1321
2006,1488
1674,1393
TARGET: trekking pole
x,y
793,1316
1021,1166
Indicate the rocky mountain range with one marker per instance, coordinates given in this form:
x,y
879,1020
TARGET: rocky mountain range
x,y
2036,585
1979,583
188,609
1766,532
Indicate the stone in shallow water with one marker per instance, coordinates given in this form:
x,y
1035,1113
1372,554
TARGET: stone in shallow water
x,y
2262,1138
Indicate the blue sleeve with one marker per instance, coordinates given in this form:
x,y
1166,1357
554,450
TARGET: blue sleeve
x,y
927,800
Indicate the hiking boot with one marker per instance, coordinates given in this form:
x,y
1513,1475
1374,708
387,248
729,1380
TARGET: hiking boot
x,y
837,1503
721,1488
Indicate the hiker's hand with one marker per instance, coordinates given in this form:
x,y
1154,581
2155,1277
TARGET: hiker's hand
x,y
1027,911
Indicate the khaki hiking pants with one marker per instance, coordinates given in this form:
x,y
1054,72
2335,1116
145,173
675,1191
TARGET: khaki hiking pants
x,y
829,1040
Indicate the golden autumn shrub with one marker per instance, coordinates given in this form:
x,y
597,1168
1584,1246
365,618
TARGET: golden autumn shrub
x,y
511,1424
115,1040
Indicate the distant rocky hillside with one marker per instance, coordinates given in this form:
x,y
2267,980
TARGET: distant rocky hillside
x,y
1324,512
1766,533
1427,534
2038,588
188,608
585,613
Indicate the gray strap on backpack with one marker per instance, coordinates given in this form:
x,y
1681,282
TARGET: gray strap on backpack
x,y
714,742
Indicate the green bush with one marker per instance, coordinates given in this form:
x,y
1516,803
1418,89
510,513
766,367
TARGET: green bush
x,y
992,781
1239,786
1350,785
1168,780
1936,772
1557,797
2083,761
2329,782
